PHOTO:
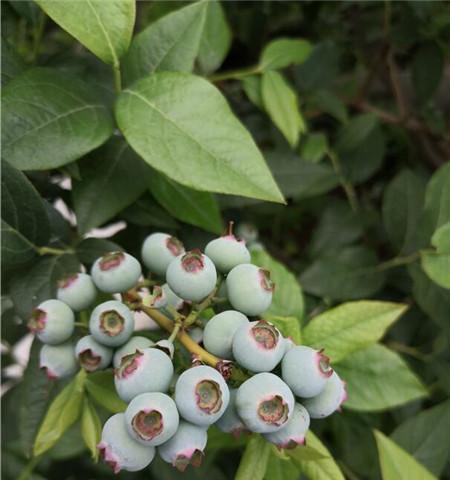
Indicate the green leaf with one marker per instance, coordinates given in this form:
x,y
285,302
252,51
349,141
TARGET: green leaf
x,y
252,88
169,44
441,239
89,249
254,461
288,298
100,386
282,52
145,213
426,436
30,288
105,28
188,205
356,131
62,413
427,69
281,468
12,62
215,40
351,326
25,223
112,178
91,427
316,468
182,126
281,103
314,147
437,267
402,207
350,275
51,119
378,379
397,463
328,102
288,326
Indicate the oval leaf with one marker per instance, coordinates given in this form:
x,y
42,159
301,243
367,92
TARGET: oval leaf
x,y
50,119
182,125
283,52
105,28
91,428
254,460
100,387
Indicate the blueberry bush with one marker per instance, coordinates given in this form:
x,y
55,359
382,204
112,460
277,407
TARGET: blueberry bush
x,y
225,240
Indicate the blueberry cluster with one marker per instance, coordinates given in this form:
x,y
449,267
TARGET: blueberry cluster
x,y
283,384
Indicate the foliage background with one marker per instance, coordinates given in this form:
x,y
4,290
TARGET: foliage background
x,y
353,120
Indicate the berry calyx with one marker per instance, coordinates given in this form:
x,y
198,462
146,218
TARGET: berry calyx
x,y
265,335
88,360
148,424
209,397
174,246
274,410
323,363
194,458
192,261
266,283
111,323
37,321
129,364
67,281
111,261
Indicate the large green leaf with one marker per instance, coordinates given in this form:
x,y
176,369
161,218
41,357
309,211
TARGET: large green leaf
x,y
377,379
91,427
12,63
287,298
169,44
316,469
182,125
402,207
281,468
283,52
351,326
112,178
62,413
105,28
50,118
397,463
281,103
188,205
436,264
254,460
25,223
100,386
426,435
350,275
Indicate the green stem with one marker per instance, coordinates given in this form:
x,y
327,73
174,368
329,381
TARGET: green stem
x,y
235,74
346,185
192,317
117,77
53,251
28,470
398,261
175,331
81,325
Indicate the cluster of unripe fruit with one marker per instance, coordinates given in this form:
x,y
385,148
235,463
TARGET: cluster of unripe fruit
x,y
277,370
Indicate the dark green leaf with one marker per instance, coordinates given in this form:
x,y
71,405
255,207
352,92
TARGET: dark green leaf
x,y
427,69
100,386
50,119
378,379
283,52
12,62
328,102
112,178
90,249
254,460
145,213
91,427
181,125
314,147
105,28
356,131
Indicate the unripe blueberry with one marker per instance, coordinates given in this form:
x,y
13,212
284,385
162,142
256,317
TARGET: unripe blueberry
x,y
58,361
119,451
329,399
158,250
173,300
294,432
264,403
227,251
196,334
192,276
111,323
305,370
77,291
152,418
219,331
258,346
165,346
250,289
133,344
201,395
52,321
157,299
116,272
92,355
147,370
185,447
230,421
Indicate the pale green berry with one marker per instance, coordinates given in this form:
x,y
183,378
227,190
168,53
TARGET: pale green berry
x,y
58,361
294,432
116,272
111,323
226,252
92,355
230,421
133,344
158,250
77,291
52,321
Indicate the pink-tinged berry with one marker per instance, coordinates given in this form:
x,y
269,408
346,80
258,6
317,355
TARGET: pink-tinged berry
x,y
52,321
264,403
77,291
116,272
58,361
147,370
92,356
305,370
111,323
152,418
329,399
121,452
192,276
250,289
158,250
294,432
201,395
185,447
258,346
133,344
